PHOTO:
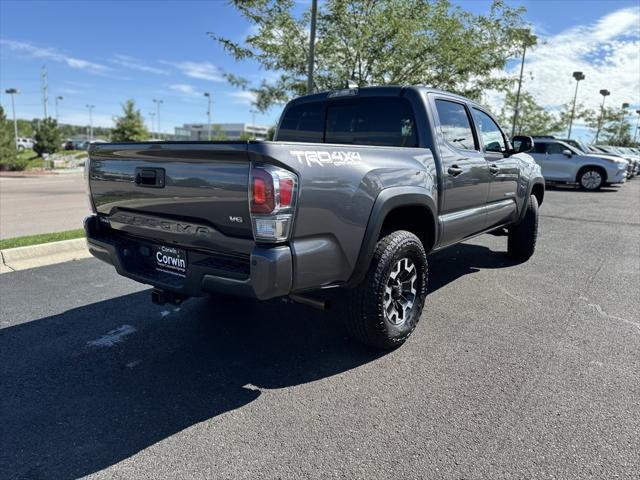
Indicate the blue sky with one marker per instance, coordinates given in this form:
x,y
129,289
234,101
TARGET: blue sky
x,y
103,52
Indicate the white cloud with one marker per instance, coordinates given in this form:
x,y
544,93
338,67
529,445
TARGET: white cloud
x,y
185,89
52,54
199,70
136,64
243,97
607,52
80,117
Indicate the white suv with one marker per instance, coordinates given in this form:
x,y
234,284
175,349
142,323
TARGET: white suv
x,y
561,162
25,143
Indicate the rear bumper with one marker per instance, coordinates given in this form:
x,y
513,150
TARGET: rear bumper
x,y
266,273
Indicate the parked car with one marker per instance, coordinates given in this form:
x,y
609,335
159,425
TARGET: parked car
x,y
619,151
563,163
596,150
23,143
357,187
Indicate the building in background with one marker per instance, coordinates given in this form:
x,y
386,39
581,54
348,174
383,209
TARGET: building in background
x,y
230,131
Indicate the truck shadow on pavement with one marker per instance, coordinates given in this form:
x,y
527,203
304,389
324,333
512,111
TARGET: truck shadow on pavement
x,y
448,265
92,386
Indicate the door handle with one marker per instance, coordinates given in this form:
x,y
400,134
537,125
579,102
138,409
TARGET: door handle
x,y
455,170
494,169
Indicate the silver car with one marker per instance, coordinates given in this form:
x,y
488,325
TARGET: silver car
x,y
561,162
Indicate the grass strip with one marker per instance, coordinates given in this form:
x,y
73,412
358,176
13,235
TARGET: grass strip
x,y
41,238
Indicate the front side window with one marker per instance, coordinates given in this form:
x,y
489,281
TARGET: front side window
x,y
491,134
455,125
382,121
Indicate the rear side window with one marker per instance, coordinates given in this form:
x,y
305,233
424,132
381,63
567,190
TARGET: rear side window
x,y
303,123
455,125
539,147
383,121
555,148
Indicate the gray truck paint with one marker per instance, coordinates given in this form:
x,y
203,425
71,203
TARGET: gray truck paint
x,y
345,193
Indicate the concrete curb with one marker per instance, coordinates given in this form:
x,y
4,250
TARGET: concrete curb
x,y
33,256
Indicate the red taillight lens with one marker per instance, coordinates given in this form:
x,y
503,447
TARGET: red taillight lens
x,y
264,199
286,191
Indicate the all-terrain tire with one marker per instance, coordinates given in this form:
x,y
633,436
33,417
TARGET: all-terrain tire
x,y
366,318
523,236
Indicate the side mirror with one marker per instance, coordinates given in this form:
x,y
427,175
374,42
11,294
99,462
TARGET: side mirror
x,y
568,153
522,143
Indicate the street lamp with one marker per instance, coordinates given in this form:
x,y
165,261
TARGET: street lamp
x,y
158,102
605,93
208,95
151,115
635,135
90,107
57,116
527,40
578,76
13,92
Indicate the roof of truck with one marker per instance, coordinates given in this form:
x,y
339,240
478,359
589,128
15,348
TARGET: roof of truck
x,y
385,90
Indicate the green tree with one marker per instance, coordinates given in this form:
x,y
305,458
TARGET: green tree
x,y
271,132
25,128
615,128
47,136
130,126
533,119
218,134
368,42
8,152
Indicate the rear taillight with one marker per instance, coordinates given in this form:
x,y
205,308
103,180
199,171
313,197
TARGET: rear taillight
x,y
273,192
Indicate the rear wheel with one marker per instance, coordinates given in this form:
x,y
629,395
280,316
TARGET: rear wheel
x,y
524,235
385,308
591,178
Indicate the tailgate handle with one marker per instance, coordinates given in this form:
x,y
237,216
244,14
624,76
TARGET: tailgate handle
x,y
149,177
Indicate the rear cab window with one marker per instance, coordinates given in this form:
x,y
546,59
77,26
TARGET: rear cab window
x,y
379,121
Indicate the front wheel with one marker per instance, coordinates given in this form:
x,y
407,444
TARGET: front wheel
x,y
591,179
523,236
385,308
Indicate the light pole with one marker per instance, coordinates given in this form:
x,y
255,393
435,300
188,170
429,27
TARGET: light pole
x,y
58,98
158,102
625,105
578,76
13,92
635,135
90,107
208,95
604,92
312,41
527,39
253,122
151,115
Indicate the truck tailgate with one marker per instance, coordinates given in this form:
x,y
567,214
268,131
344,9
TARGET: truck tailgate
x,y
193,194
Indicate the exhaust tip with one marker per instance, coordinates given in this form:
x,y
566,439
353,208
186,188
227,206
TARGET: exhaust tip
x,y
319,303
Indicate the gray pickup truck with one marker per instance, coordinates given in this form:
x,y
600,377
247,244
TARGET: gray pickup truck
x,y
358,186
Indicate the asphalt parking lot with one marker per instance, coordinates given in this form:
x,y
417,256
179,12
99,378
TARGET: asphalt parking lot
x,y
25,199
515,371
